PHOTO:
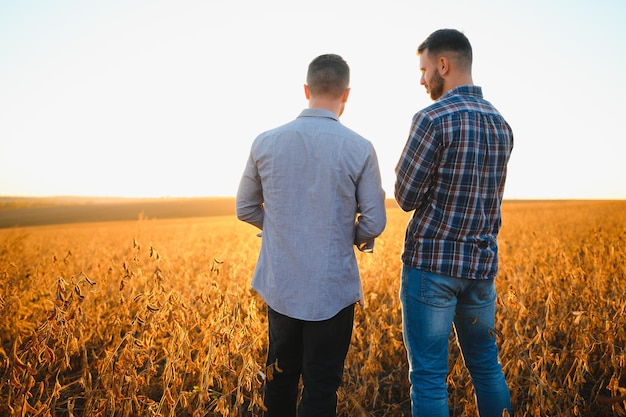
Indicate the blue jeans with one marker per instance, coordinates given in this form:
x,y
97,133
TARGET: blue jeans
x,y
431,305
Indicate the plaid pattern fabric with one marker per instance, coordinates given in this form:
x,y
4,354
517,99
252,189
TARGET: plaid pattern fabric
x,y
452,173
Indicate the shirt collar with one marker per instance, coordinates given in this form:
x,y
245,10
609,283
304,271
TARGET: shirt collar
x,y
316,112
464,90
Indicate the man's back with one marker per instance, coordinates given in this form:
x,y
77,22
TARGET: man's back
x,y
454,180
315,174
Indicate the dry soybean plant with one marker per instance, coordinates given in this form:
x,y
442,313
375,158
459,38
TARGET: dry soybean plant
x,y
156,318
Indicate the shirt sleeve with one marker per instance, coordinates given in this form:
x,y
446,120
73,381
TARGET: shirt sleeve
x,y
249,202
372,217
417,164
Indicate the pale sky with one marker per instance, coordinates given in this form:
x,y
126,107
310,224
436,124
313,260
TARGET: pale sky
x,y
164,98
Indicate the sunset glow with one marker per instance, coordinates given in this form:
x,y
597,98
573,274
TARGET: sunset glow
x,y
158,99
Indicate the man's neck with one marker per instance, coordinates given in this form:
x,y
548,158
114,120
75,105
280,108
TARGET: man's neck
x,y
335,106
458,81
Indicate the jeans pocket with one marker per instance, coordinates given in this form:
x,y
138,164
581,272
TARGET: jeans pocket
x,y
487,293
437,290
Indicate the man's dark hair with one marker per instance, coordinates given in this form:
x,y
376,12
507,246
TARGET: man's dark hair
x,y
328,75
448,40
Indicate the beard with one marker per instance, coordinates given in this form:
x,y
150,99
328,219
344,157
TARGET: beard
x,y
435,86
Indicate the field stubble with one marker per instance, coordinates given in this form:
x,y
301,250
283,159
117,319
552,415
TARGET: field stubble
x,y
155,317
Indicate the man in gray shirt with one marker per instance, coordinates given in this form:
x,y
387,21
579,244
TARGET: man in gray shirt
x,y
313,187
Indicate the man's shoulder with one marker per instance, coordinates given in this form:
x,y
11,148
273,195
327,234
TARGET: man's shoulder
x,y
292,125
351,134
456,103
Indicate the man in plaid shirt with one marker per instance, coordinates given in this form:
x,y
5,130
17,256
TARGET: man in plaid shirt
x,y
452,173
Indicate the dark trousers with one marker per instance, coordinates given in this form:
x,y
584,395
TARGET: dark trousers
x,y
315,350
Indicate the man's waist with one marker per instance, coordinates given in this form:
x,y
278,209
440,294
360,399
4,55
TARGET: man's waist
x,y
458,259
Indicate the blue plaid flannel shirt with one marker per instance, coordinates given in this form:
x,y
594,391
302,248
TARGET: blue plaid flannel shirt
x,y
452,173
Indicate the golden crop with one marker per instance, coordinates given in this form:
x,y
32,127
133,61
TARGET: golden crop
x,y
156,318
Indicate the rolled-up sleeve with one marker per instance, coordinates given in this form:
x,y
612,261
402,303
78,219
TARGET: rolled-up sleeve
x,y
249,202
372,217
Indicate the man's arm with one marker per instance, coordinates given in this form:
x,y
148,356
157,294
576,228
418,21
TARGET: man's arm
x,y
372,217
250,196
417,164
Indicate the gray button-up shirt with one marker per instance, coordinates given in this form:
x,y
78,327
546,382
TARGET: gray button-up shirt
x,y
313,186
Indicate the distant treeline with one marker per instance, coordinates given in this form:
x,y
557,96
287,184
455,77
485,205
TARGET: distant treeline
x,y
44,211
39,211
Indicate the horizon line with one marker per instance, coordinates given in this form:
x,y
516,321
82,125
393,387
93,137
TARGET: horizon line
x,y
175,197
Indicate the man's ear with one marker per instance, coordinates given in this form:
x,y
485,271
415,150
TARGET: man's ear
x,y
443,65
345,95
307,93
